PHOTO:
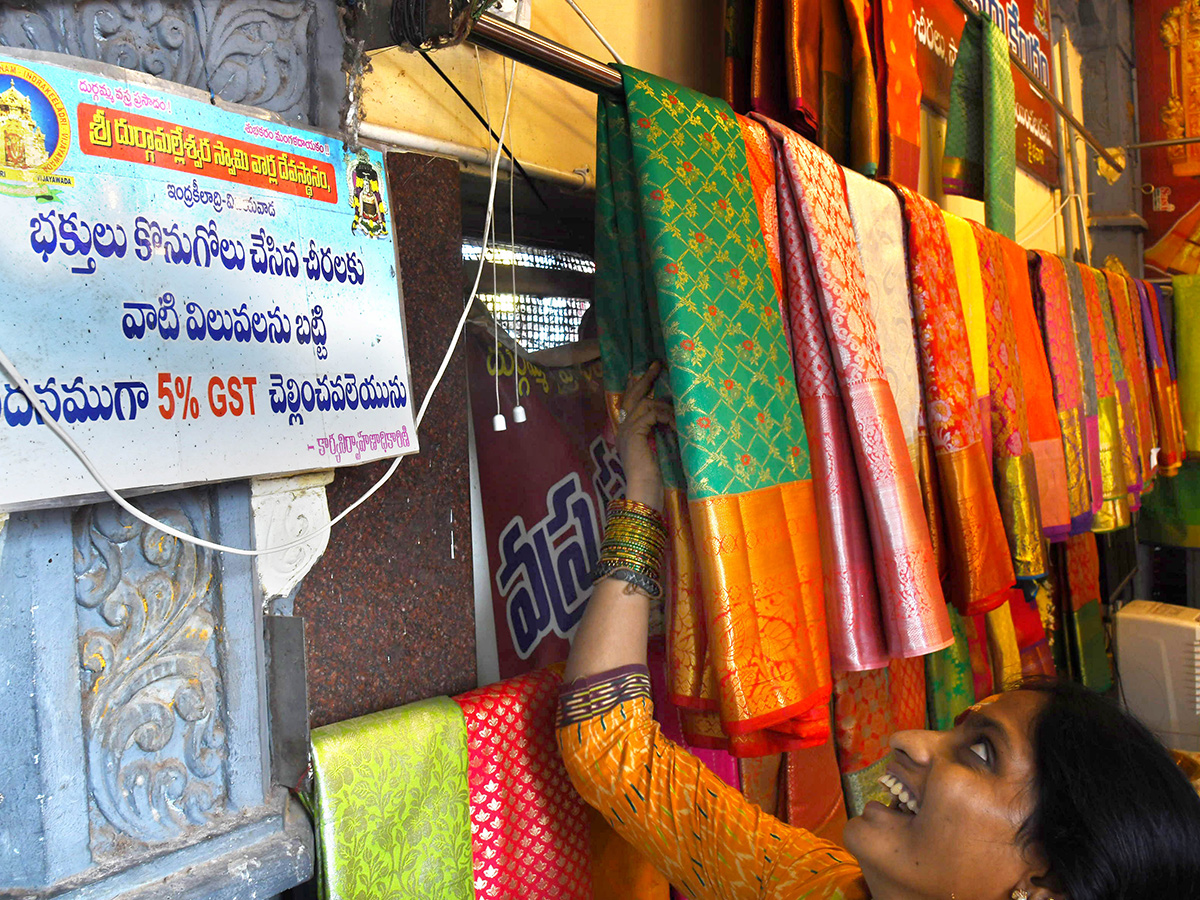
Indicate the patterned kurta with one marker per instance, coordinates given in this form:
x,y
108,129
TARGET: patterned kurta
x,y
709,840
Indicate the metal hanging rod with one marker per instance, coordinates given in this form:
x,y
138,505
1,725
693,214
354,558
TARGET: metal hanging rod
x,y
493,33
1050,98
551,57
1169,142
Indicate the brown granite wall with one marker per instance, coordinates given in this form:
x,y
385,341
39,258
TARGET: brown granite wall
x,y
389,612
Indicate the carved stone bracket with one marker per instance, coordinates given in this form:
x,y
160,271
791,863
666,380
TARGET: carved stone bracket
x,y
286,509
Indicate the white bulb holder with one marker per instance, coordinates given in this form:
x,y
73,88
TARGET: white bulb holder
x,y
518,414
498,423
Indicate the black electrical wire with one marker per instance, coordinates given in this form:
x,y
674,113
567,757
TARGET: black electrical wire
x,y
482,121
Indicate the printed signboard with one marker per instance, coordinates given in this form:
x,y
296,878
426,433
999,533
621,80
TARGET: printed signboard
x,y
194,294
939,24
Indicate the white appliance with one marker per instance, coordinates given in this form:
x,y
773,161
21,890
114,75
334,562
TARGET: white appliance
x,y
1158,657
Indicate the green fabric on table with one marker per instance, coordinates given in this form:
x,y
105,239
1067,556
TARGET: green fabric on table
x,y
736,409
391,809
981,133
949,684
1171,512
1087,638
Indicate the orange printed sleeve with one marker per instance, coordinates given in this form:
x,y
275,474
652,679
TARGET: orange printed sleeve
x,y
709,840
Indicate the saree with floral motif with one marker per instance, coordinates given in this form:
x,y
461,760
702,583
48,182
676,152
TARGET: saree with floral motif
x,y
1084,625
1052,303
1168,327
1013,470
758,651
529,828
1045,435
1087,380
1126,413
879,230
1171,514
1133,348
868,707
391,808
949,685
828,305
1114,510
1170,453
976,544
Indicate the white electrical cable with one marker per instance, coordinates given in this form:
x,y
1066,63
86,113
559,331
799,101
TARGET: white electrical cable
x,y
61,433
1022,238
518,412
596,32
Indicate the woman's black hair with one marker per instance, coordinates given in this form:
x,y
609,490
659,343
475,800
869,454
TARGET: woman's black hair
x,y
1115,818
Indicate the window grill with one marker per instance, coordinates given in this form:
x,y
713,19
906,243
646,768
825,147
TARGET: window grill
x,y
535,321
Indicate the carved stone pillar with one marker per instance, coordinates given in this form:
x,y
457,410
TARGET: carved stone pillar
x,y
285,510
135,727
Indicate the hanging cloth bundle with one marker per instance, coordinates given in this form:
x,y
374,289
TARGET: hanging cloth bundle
x,y
1052,302
981,136
980,567
755,650
1089,378
842,382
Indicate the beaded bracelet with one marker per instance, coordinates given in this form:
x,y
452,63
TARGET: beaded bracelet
x,y
635,540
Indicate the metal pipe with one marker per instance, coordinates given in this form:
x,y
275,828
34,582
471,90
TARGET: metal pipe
x,y
1049,95
1169,142
1064,68
1061,138
493,33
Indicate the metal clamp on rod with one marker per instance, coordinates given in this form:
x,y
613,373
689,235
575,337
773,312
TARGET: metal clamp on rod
x,y
493,33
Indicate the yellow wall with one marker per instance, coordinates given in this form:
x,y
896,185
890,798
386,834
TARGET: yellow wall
x,y
553,124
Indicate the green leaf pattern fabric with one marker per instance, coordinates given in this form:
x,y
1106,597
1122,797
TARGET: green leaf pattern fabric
x,y
391,804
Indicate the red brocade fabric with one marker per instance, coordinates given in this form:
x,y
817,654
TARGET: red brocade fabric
x,y
836,353
980,565
529,827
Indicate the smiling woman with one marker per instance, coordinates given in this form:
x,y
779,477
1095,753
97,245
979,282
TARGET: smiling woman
x,y
1047,792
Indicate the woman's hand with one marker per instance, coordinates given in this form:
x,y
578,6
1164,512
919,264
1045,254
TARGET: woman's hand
x,y
643,481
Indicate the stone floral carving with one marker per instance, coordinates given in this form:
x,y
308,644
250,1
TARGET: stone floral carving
x,y
151,687
255,52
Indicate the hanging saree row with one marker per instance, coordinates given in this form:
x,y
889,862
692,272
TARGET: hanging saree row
x,y
896,432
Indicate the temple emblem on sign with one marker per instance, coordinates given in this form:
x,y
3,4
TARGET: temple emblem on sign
x,y
24,144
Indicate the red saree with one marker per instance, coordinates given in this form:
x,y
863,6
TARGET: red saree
x,y
1014,471
978,550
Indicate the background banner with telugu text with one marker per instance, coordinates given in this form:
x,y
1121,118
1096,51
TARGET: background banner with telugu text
x,y
544,485
1026,23
195,294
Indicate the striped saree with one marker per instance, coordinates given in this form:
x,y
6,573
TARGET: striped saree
x,y
1170,453
1052,303
980,565
1087,379
1126,412
1114,509
757,651
1013,468
1045,435
835,341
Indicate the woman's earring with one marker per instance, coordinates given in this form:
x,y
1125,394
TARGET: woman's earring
x,y
1020,894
